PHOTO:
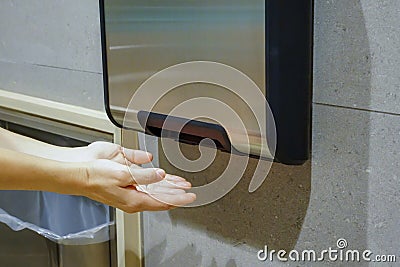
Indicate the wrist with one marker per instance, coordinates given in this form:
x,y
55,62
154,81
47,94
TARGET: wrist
x,y
76,176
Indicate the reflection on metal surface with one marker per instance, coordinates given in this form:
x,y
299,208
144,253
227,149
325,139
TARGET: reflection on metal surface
x,y
145,37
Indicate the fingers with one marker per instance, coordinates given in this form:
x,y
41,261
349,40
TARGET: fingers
x,y
117,185
163,195
154,189
183,184
143,176
174,178
168,187
156,202
137,156
166,201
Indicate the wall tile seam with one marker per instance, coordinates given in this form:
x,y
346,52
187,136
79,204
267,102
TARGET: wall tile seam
x,y
50,66
356,108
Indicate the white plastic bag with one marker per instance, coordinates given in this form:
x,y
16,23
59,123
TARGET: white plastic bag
x,y
64,219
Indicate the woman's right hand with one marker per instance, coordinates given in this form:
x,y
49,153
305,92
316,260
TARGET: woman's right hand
x,y
120,186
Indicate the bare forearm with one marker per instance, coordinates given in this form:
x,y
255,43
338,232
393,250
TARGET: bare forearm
x,y
19,143
20,171
103,175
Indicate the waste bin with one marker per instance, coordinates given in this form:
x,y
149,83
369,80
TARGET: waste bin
x,y
78,230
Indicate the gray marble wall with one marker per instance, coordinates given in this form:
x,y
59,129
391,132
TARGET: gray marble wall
x,y
349,189
51,49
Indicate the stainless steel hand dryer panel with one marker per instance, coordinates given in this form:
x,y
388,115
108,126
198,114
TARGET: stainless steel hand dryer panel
x,y
269,41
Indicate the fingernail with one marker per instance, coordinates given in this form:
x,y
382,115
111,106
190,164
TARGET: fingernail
x,y
161,173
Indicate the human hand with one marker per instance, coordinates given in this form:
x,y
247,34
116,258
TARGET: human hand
x,y
113,177
116,153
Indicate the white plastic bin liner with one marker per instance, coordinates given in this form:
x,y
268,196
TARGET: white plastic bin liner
x,y
68,220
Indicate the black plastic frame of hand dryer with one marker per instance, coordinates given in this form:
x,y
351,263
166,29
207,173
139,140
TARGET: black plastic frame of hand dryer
x,y
190,131
289,47
289,42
